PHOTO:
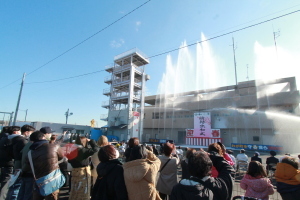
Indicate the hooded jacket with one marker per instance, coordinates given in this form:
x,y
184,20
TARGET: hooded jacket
x,y
110,183
259,188
17,143
219,188
45,157
140,178
287,177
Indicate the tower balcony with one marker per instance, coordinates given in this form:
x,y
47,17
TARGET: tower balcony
x,y
105,104
123,99
106,91
109,68
104,117
108,80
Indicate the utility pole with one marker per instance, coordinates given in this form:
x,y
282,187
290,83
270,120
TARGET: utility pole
x,y
276,35
234,61
247,73
67,115
19,99
26,114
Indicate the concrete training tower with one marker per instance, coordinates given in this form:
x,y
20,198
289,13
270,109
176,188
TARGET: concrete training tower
x,y
126,95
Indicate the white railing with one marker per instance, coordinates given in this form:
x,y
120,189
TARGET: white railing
x,y
107,79
119,94
104,117
105,103
119,80
106,91
138,69
109,66
134,50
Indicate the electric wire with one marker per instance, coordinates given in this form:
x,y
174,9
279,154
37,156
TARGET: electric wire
x,y
83,41
176,49
165,52
67,77
224,34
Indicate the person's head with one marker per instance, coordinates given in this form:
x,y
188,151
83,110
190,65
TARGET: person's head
x,y
52,138
107,153
299,156
81,140
190,152
153,146
5,129
272,153
256,153
168,148
256,169
138,152
37,136
199,164
242,150
223,148
291,161
15,130
47,132
102,141
26,130
216,148
134,141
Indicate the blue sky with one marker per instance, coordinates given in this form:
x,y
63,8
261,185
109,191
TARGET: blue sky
x,y
35,32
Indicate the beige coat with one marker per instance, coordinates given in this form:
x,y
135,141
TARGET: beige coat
x,y
168,176
140,178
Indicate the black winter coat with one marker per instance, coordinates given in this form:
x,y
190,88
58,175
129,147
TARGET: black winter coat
x,y
110,184
256,158
82,158
6,158
219,188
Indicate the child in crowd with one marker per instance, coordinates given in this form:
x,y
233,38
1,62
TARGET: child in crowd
x,y
256,183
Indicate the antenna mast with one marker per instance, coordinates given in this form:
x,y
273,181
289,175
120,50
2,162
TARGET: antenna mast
x,y
234,60
276,35
247,73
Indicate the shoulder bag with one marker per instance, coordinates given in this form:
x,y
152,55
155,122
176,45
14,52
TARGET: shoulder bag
x,y
49,183
158,173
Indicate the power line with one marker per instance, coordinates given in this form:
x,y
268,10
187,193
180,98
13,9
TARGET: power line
x,y
237,30
78,44
67,77
234,31
166,52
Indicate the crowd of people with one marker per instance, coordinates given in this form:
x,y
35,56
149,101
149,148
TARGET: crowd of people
x,y
100,170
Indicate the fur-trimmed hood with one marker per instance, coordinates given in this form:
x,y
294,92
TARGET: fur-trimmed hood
x,y
140,178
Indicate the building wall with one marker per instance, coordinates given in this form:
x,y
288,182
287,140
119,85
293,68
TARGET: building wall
x,y
254,113
60,128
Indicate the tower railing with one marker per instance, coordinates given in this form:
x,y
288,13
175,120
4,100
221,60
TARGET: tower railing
x,y
129,52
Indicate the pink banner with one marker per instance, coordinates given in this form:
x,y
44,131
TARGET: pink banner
x,y
202,125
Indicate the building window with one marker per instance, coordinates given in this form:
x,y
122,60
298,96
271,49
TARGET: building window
x,y
256,138
157,115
